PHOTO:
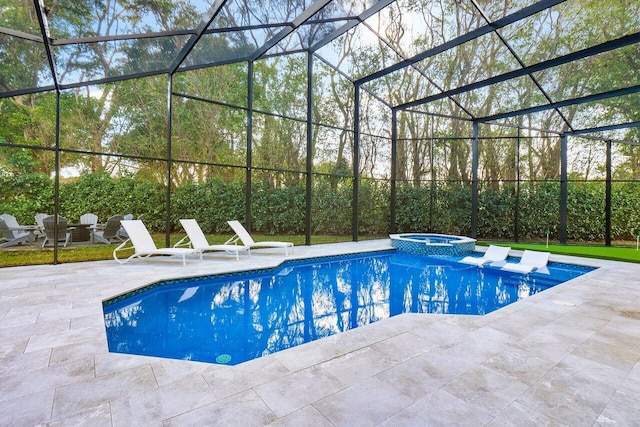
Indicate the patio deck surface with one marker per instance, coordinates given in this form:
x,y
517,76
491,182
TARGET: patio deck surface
x,y
567,356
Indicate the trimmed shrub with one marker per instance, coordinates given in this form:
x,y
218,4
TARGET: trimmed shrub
x,y
282,210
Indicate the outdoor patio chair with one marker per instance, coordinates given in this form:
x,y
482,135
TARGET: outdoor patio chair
x,y
11,237
38,218
110,231
493,254
10,220
91,219
13,224
530,261
63,234
143,245
243,235
196,239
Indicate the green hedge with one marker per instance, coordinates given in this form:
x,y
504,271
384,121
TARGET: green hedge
x,y
444,207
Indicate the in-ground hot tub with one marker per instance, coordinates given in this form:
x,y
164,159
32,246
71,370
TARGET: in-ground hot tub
x,y
432,244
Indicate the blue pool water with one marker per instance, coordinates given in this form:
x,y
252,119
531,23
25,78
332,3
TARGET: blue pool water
x,y
431,239
238,317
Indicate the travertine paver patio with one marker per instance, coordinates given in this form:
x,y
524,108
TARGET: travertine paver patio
x,y
567,356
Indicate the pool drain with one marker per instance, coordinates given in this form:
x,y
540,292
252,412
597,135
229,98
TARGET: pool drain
x,y
223,358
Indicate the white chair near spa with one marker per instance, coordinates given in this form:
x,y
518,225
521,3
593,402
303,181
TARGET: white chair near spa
x,y
530,261
493,254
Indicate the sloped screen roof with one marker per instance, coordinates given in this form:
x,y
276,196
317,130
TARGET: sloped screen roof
x,y
574,58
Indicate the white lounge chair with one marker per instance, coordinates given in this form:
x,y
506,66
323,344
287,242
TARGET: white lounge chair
x,y
530,260
491,255
141,242
196,239
122,233
243,235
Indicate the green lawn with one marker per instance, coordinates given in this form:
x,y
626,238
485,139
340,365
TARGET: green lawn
x,y
615,253
34,255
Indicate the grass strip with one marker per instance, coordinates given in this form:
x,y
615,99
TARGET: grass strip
x,y
613,253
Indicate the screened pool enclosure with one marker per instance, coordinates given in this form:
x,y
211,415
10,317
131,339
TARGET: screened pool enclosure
x,y
497,119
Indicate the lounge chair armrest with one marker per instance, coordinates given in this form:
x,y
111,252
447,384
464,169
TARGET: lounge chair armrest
x,y
126,245
184,242
233,241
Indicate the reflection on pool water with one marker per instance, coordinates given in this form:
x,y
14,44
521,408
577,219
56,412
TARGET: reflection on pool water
x,y
238,317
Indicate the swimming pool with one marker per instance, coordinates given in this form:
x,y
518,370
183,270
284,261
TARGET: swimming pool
x,y
236,317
